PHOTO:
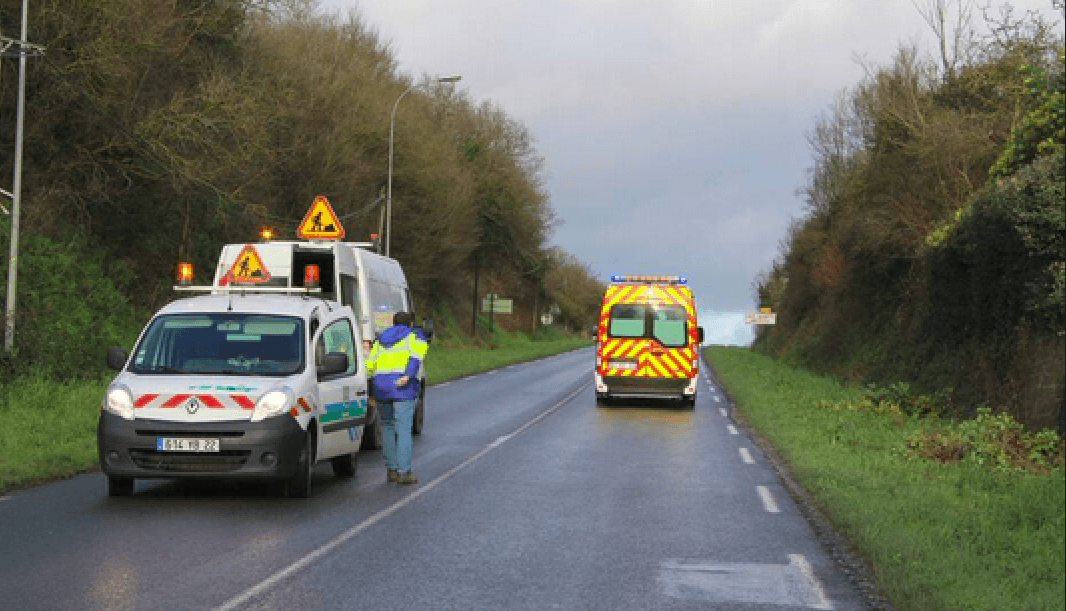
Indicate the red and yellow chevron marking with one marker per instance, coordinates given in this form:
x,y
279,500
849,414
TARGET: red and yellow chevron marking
x,y
242,402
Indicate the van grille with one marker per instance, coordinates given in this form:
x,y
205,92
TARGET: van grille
x,y
190,462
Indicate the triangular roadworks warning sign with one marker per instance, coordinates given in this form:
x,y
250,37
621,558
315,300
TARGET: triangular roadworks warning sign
x,y
321,222
248,268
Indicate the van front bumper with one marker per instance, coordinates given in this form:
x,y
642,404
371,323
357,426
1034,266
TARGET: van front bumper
x,y
268,449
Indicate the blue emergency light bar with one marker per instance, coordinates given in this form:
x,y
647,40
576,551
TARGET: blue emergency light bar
x,y
650,279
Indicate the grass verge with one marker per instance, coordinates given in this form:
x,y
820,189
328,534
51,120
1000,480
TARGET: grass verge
x,y
957,536
49,427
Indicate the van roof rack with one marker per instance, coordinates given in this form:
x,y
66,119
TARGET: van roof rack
x,y
245,289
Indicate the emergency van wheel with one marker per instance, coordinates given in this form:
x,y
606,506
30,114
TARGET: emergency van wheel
x,y
299,485
602,399
119,486
344,466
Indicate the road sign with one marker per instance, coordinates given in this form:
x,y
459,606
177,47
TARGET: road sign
x,y
497,305
321,222
247,268
760,318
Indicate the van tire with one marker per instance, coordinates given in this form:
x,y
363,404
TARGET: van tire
x,y
299,485
344,466
420,412
119,486
372,433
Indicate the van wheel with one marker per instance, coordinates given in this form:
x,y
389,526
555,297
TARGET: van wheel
x,y
344,466
372,433
420,413
119,486
299,485
602,399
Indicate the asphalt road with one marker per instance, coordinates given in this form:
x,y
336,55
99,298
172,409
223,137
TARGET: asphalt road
x,y
531,497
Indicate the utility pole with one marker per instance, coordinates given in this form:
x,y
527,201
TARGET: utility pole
x,y
24,48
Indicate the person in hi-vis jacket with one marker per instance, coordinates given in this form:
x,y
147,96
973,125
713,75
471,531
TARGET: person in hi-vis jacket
x,y
392,366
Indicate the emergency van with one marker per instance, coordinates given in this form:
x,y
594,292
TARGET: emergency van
x,y
373,285
236,384
648,340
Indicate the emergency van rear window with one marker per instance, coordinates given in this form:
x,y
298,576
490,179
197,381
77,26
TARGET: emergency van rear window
x,y
665,323
222,344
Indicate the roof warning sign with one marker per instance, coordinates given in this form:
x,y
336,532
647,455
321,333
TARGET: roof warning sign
x,y
247,268
321,222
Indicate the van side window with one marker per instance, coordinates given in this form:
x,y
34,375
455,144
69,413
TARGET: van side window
x,y
386,299
338,337
349,293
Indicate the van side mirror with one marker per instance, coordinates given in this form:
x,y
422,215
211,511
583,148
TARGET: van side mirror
x,y
332,364
699,335
427,328
116,358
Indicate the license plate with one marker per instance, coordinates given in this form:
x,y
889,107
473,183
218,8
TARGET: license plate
x,y
630,365
185,444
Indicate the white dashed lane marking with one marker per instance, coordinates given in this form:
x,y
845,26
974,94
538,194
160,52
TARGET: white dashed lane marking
x,y
745,455
768,501
732,430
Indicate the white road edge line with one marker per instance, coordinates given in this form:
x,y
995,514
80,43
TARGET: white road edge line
x,y
768,501
732,430
800,563
4,498
745,455
349,534
723,411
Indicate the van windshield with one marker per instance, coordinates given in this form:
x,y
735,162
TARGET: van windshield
x,y
224,344
665,323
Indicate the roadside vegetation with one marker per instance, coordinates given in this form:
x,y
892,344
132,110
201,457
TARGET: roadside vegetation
x,y
933,249
951,515
159,131
49,427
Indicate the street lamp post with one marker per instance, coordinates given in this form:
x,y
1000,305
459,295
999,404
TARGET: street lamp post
x,y
392,130
24,48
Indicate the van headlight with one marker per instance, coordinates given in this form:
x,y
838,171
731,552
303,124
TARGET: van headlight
x,y
119,401
274,403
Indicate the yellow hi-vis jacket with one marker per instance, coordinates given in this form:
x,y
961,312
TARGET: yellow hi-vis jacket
x,y
398,352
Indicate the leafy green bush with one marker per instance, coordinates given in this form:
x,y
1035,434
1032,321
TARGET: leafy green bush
x,y
1043,129
1003,263
69,308
993,441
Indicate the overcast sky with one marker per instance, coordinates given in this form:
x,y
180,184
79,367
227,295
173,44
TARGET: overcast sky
x,y
674,132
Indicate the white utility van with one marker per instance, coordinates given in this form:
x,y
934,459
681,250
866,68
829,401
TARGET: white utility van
x,y
233,385
373,285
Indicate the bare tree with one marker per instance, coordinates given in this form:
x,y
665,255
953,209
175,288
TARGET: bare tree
x,y
952,23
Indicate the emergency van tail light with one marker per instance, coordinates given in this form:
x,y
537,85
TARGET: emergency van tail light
x,y
184,273
119,402
266,233
273,403
311,274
